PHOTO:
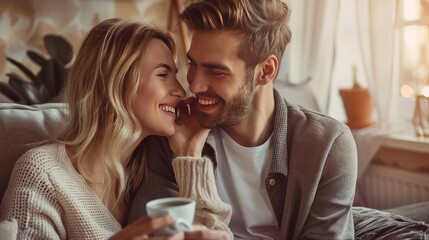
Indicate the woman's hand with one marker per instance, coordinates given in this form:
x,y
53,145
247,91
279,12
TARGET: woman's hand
x,y
141,228
190,136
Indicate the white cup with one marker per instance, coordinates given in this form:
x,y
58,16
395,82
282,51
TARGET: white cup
x,y
181,209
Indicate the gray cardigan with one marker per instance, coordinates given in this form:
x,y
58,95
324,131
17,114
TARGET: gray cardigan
x,y
311,182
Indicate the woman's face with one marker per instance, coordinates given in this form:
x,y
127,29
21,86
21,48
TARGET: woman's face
x,y
158,91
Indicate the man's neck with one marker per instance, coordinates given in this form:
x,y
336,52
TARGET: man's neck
x,y
258,126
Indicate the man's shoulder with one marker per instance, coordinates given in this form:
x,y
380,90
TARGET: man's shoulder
x,y
299,116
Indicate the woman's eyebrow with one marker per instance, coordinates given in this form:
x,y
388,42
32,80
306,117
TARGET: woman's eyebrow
x,y
166,66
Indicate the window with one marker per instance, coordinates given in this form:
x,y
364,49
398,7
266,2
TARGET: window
x,y
413,19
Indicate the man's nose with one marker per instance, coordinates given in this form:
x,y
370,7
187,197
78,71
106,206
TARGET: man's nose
x,y
197,81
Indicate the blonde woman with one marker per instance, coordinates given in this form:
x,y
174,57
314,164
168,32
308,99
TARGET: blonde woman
x,y
121,89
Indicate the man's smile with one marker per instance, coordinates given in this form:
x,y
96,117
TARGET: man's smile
x,y
207,104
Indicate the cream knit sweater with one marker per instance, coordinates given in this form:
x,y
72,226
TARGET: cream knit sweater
x,y
195,178
50,200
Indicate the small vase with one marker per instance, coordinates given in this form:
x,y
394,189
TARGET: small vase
x,y
421,116
358,107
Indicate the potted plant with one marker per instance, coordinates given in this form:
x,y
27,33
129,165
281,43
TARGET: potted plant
x,y
357,104
46,85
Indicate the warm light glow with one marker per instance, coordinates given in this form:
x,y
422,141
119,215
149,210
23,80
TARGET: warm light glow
x,y
415,48
407,91
412,9
425,91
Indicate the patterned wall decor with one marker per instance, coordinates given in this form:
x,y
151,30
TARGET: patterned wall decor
x,y
23,23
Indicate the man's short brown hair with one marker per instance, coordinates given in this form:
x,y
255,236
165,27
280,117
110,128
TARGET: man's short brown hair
x,y
261,24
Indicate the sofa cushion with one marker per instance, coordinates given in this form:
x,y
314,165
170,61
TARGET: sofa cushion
x,y
23,127
8,229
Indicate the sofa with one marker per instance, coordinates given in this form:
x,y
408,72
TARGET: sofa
x,y
23,127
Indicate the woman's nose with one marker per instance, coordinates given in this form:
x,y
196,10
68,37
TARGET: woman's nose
x,y
178,90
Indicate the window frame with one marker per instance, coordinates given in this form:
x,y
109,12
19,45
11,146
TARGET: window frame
x,y
406,105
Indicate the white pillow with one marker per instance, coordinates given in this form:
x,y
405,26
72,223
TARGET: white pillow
x,y
8,229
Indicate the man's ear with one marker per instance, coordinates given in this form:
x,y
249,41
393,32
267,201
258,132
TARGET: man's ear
x,y
269,68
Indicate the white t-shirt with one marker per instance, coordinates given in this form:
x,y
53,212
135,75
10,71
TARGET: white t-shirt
x,y
240,178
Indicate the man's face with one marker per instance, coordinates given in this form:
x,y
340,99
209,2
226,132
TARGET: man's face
x,y
219,79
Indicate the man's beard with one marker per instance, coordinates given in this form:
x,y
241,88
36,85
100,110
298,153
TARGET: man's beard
x,y
236,109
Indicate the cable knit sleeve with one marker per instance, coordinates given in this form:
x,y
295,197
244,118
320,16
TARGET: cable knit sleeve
x,y
195,178
30,199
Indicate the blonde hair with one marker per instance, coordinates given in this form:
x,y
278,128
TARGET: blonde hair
x,y
100,91
263,25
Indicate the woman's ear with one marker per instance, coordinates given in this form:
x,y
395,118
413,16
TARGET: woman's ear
x,y
269,69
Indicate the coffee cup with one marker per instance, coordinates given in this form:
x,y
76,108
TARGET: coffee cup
x,y
181,209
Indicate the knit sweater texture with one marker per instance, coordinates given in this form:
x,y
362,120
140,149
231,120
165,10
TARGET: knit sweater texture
x,y
196,180
51,200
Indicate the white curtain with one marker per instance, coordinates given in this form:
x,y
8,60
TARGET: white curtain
x,y
376,21
313,52
310,55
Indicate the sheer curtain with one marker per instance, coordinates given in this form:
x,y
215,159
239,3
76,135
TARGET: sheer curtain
x,y
313,52
376,22
310,56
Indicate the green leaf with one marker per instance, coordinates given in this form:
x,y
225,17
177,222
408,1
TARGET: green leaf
x,y
49,81
29,91
24,69
47,75
10,93
58,48
53,75
60,77
13,85
36,57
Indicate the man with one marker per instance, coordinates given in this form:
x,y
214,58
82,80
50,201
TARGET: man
x,y
287,172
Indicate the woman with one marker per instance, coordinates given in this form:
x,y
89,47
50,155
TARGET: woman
x,y
121,88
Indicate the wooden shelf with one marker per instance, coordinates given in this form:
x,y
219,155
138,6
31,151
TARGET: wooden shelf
x,y
406,140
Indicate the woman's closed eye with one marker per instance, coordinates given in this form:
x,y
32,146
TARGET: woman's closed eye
x,y
163,75
165,71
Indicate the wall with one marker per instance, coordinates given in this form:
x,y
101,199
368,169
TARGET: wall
x,y
23,23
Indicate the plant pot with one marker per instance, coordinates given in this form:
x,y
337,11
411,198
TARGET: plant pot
x,y
358,107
